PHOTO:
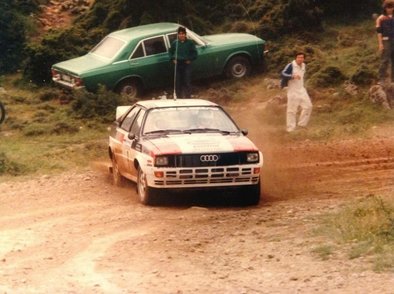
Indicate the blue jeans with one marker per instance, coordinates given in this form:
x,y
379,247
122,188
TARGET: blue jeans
x,y
183,79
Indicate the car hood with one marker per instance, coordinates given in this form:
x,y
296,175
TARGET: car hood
x,y
197,143
82,65
231,38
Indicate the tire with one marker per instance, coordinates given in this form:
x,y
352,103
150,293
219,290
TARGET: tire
x,y
131,89
117,178
238,67
2,113
147,195
251,194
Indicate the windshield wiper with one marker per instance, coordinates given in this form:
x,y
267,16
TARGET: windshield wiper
x,y
163,132
209,130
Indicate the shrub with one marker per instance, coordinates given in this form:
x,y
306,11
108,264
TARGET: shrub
x,y
64,128
100,105
8,166
50,94
35,129
12,38
363,76
328,76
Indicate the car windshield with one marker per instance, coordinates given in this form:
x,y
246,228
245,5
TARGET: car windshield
x,y
108,47
188,120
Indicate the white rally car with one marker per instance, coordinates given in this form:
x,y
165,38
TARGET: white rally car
x,y
167,145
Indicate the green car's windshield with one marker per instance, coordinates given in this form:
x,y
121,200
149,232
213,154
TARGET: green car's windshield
x,y
108,47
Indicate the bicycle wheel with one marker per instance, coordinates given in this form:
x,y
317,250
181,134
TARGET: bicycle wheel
x,y
2,113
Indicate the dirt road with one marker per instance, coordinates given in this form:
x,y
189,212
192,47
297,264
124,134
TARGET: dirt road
x,y
76,233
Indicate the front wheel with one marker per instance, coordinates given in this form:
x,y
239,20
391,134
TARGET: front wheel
x,y
146,194
2,113
131,89
238,67
251,194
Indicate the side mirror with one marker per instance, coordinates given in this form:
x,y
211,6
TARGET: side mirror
x,y
244,132
131,136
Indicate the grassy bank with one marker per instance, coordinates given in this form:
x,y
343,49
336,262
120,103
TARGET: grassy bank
x,y
364,229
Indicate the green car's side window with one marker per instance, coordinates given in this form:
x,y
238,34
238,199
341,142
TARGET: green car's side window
x,y
172,38
155,46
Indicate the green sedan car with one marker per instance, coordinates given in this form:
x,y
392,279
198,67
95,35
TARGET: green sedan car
x,y
133,59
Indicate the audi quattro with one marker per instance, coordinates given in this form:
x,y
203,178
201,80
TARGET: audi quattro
x,y
164,145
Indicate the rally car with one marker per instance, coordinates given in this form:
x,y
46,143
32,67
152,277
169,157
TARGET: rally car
x,y
165,145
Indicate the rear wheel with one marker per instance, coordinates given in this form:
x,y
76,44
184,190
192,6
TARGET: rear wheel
x,y
117,178
2,113
147,195
238,67
131,89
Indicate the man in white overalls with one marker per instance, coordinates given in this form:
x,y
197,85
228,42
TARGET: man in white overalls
x,y
297,96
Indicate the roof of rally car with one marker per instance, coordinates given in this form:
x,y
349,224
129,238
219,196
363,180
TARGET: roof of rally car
x,y
175,103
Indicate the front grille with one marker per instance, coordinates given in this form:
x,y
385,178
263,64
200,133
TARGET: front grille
x,y
194,160
207,176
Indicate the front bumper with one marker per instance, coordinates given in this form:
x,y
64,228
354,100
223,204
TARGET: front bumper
x,y
200,177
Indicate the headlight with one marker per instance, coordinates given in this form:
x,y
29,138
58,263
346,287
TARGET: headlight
x,y
252,157
161,161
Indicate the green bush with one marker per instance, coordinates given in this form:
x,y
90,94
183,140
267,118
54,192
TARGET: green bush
x,y
8,166
364,76
328,76
35,129
50,94
64,128
101,105
12,37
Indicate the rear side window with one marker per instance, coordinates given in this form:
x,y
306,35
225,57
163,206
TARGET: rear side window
x,y
135,128
128,120
155,46
139,52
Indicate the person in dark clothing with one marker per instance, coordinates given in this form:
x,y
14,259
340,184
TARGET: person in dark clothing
x,y
183,52
385,30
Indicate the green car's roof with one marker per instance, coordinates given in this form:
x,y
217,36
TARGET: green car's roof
x,y
145,30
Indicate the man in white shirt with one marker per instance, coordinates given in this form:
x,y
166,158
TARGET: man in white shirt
x,y
297,96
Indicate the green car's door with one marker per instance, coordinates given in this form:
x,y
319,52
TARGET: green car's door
x,y
151,62
206,64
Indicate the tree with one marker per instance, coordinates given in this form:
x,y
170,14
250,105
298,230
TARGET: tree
x,y
12,38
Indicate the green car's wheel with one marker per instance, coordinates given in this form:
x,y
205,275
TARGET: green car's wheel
x,y
238,67
130,88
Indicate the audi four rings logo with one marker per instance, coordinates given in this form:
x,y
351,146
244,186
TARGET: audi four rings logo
x,y
209,158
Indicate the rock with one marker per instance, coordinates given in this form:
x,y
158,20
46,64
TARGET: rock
x,y
378,95
350,88
272,83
